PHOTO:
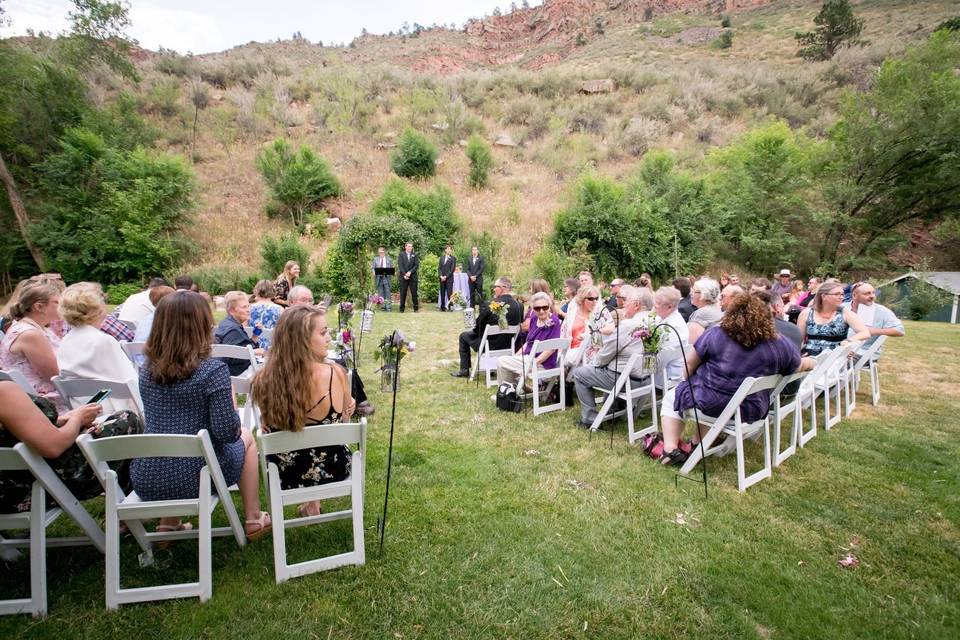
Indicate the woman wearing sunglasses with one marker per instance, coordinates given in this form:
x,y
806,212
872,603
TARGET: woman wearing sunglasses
x,y
546,326
576,325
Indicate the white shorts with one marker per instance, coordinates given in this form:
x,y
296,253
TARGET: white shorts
x,y
667,410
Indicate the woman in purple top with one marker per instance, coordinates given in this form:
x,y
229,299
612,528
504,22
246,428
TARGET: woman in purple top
x,y
745,344
546,326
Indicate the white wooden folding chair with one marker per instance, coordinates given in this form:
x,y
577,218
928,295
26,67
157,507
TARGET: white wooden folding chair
x,y
236,352
76,391
633,386
555,375
248,411
134,351
36,522
12,375
851,378
783,406
315,436
663,380
129,508
730,423
830,385
487,358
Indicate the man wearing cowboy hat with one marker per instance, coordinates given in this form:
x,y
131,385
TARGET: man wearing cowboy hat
x,y
783,285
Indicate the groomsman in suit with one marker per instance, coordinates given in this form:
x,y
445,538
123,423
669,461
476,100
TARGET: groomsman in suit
x,y
383,282
409,264
445,268
475,275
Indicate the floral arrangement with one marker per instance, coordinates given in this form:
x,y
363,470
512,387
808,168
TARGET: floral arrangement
x,y
393,345
375,300
595,322
649,333
457,300
345,313
500,310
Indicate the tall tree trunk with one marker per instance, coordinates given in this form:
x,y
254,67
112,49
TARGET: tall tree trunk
x,y
20,212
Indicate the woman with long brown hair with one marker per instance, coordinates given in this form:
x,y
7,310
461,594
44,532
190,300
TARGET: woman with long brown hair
x,y
297,387
744,344
824,325
184,390
286,281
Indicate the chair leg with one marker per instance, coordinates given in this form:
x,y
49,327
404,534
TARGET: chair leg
x,y
281,574
112,555
356,507
874,383
205,538
38,551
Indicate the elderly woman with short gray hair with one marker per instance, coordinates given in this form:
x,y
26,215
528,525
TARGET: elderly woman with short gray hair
x,y
705,295
231,331
546,326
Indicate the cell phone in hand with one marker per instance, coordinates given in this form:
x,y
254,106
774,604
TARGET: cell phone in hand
x,y
99,396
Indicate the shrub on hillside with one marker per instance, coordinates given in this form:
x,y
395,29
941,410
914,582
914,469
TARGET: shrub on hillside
x,y
276,250
481,160
414,156
219,279
432,211
117,293
112,215
724,40
428,286
297,181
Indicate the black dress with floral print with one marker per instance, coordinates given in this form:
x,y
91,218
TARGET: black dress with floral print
x,y
70,466
316,465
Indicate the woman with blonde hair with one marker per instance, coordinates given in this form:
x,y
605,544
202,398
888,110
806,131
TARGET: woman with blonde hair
x,y
286,281
824,325
297,387
577,323
29,346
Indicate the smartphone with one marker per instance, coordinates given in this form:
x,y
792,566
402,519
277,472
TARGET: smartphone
x,y
99,396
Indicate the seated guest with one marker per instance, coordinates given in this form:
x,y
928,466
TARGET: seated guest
x,y
264,312
784,284
184,390
705,295
86,352
537,285
137,307
116,329
231,331
570,288
645,281
545,326
286,281
665,302
35,422
184,283
297,387
744,344
471,339
585,278
143,328
812,285
784,328
729,293
611,359
880,320
685,306
576,324
28,345
796,292
299,295
613,302
826,323
724,280
760,284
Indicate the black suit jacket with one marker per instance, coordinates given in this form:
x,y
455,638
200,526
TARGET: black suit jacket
x,y
488,317
448,268
411,265
475,269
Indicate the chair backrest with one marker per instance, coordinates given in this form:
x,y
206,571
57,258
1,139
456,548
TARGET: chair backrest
x,y
234,351
324,435
134,351
82,389
748,387
870,353
556,344
15,376
492,330
243,385
11,460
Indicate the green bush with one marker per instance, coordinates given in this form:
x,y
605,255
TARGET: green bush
x,y
431,210
275,251
297,181
117,293
481,160
164,98
922,300
724,40
414,156
428,285
112,215
219,279
335,274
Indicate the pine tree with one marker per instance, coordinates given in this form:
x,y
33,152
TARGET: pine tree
x,y
837,26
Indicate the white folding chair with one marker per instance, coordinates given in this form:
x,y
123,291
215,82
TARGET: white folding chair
x,y
248,411
131,509
782,407
315,436
831,384
36,521
807,398
664,381
76,391
866,360
557,374
730,423
134,351
12,375
487,357
236,352
631,390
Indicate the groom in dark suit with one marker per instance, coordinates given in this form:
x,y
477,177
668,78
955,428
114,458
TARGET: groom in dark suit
x,y
445,268
409,265
475,275
471,339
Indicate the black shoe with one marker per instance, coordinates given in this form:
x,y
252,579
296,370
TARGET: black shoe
x,y
462,373
583,425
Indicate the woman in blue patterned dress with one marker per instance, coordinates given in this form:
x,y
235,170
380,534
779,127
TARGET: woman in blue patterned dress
x,y
297,387
184,390
825,324
264,311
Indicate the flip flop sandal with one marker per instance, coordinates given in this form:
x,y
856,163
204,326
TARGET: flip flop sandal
x,y
677,456
302,510
168,528
265,526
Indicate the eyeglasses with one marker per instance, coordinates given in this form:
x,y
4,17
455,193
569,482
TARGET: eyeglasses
x,y
541,308
592,298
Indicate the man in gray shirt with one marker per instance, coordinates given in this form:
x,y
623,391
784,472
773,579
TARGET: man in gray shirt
x,y
879,319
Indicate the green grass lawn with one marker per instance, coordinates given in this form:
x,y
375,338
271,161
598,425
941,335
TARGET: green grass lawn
x,y
505,526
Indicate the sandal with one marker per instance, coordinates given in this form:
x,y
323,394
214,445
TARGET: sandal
x,y
263,523
677,456
168,528
305,512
